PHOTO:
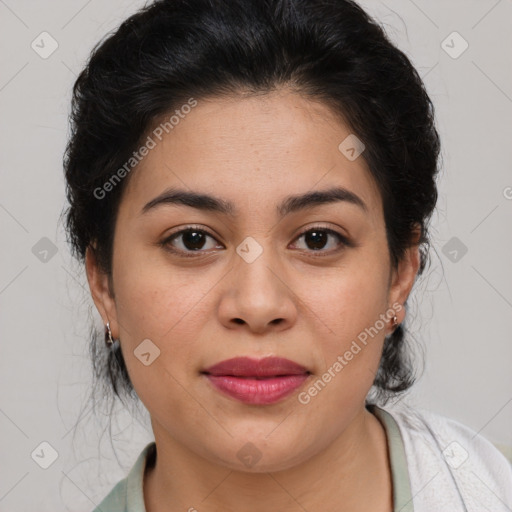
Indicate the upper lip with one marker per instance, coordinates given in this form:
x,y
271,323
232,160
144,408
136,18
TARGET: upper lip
x,y
249,367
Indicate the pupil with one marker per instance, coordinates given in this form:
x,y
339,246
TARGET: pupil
x,y
318,237
193,240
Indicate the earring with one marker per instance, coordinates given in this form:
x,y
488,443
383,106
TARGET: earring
x,y
395,323
108,335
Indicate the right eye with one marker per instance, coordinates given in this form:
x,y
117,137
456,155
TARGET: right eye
x,y
191,240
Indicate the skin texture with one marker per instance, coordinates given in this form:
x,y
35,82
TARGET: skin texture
x,y
329,454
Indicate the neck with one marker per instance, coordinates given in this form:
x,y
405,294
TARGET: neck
x,y
351,474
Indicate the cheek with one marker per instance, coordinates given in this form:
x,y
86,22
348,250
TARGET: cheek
x,y
152,299
167,312
154,303
350,312
349,300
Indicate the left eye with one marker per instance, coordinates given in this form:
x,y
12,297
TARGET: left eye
x,y
317,238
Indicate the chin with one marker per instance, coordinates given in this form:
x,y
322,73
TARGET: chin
x,y
254,454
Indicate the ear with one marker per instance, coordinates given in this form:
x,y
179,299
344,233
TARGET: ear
x,y
402,278
102,294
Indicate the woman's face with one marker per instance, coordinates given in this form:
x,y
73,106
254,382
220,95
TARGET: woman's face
x,y
253,284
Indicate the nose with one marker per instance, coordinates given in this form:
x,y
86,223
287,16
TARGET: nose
x,y
256,296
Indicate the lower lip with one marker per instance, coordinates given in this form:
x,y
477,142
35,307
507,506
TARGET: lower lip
x,y
257,391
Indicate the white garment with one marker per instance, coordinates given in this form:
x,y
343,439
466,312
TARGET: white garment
x,y
451,467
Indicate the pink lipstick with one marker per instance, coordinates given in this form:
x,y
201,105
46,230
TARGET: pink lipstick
x,y
257,381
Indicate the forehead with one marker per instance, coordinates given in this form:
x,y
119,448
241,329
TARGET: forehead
x,y
252,151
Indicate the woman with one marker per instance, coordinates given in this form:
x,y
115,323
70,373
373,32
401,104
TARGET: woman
x,y
250,186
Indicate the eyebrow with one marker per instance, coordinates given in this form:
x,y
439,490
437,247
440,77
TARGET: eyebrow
x,y
289,205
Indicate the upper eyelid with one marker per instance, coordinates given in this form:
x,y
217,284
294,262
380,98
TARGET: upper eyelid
x,y
329,230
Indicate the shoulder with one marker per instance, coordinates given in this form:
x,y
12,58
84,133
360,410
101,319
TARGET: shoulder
x,y
127,495
449,463
115,501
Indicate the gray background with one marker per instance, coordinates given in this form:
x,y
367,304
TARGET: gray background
x,y
463,306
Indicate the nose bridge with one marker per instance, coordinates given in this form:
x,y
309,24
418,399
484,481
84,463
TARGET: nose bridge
x,y
257,296
258,266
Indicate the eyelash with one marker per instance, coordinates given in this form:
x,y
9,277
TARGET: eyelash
x,y
194,254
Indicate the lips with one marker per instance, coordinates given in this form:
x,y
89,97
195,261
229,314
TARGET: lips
x,y
248,367
257,382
